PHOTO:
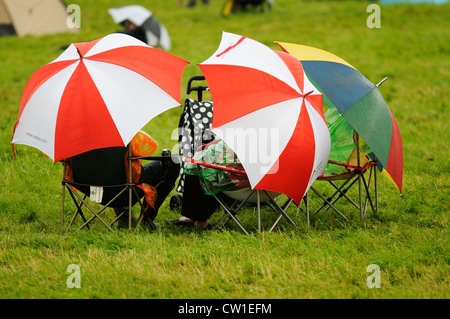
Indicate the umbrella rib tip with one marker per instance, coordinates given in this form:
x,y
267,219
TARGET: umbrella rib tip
x,y
381,82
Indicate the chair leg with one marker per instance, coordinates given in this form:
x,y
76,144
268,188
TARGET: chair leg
x,y
63,194
258,206
79,205
307,208
222,220
130,191
272,206
62,206
368,196
130,202
343,191
96,214
361,209
230,213
141,204
326,201
282,211
230,210
376,188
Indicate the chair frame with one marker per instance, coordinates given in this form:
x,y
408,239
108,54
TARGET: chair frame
x,y
81,201
232,210
348,180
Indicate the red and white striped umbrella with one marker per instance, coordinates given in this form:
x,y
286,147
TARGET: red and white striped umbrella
x,y
97,94
269,113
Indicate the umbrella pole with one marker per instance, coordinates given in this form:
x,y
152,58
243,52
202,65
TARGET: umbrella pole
x,y
130,194
63,196
376,187
359,177
360,197
258,207
307,208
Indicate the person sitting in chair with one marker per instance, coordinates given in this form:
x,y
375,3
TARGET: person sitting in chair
x,y
156,179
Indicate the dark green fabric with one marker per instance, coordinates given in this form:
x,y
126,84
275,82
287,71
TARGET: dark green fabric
x,y
371,118
342,145
342,142
213,180
103,167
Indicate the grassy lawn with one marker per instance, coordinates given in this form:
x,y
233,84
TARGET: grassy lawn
x,y
408,239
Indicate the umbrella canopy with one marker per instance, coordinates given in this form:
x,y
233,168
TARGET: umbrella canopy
x,y
96,94
358,100
269,113
155,31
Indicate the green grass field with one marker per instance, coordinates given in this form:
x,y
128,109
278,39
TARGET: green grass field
x,y
408,239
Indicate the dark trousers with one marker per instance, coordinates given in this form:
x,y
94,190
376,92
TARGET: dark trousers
x,y
162,178
197,205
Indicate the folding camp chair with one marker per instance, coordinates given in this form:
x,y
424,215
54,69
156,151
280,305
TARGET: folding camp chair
x,y
99,176
193,136
253,197
343,175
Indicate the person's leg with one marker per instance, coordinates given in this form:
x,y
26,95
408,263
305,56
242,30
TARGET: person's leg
x,y
163,178
158,175
196,207
122,214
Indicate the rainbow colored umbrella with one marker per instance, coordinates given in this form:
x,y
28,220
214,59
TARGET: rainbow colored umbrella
x,y
358,100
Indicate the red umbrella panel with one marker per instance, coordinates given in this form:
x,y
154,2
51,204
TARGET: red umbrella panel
x,y
269,114
97,94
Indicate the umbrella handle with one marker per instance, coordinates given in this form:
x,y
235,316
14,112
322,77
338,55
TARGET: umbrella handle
x,y
305,95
